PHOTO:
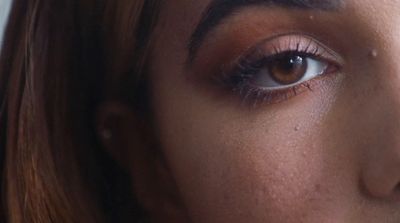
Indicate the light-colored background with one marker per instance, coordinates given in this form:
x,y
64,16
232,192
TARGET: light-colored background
x,y
4,10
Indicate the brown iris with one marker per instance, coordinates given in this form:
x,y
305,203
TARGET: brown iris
x,y
288,69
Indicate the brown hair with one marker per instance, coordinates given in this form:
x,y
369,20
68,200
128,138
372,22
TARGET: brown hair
x,y
57,56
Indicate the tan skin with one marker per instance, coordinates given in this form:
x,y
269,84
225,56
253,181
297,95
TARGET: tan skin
x,y
330,153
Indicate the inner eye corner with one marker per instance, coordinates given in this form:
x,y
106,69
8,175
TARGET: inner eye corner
x,y
332,67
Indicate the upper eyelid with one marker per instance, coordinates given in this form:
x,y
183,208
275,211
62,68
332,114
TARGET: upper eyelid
x,y
293,39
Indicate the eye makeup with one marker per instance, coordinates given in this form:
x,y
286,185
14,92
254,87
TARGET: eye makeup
x,y
279,68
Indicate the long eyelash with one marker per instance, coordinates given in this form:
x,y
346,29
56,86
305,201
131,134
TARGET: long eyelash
x,y
244,68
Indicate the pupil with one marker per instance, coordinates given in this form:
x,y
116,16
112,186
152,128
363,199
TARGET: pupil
x,y
291,63
288,69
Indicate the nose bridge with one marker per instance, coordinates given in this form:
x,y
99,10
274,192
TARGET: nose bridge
x,y
381,175
387,76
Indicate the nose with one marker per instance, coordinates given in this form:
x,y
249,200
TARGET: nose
x,y
381,170
381,177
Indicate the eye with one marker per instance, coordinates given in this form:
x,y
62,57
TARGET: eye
x,y
286,70
279,68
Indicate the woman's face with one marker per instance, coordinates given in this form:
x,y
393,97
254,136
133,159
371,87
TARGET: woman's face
x,y
280,110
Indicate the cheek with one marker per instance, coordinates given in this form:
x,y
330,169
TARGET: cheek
x,y
233,163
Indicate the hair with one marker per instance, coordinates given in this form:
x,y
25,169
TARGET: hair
x,y
60,59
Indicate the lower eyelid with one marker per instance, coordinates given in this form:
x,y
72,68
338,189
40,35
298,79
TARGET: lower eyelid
x,y
255,97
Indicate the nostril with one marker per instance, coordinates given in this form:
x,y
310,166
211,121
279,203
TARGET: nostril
x,y
396,192
375,190
397,189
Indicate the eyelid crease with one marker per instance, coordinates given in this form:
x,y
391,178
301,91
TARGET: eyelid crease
x,y
292,42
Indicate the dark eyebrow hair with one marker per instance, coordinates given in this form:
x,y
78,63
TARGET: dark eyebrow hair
x,y
220,9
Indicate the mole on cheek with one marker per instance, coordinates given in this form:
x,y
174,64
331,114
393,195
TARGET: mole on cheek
x,y
373,53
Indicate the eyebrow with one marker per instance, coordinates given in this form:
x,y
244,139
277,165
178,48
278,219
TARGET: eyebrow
x,y
221,9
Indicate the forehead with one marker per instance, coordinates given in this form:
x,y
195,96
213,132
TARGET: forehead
x,y
180,17
368,23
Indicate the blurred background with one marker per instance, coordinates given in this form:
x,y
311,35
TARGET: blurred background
x,y
4,10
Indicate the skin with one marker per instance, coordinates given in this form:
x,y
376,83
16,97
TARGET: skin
x,y
327,155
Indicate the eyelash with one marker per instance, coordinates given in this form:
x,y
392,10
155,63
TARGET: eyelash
x,y
246,67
